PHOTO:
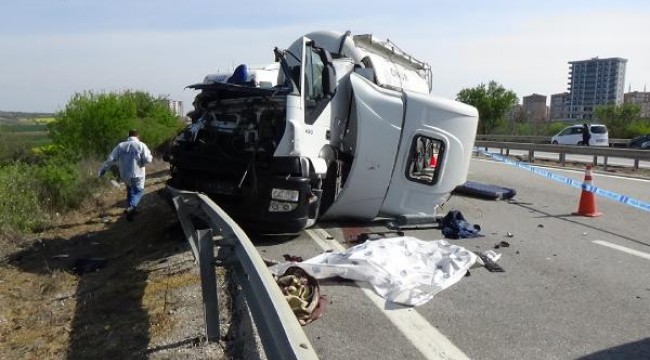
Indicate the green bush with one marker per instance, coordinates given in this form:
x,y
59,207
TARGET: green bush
x,y
61,185
555,127
31,193
636,128
20,206
92,124
618,118
531,128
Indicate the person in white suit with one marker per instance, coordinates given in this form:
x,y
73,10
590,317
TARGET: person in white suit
x,y
131,156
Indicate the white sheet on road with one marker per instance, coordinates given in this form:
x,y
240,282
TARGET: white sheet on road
x,y
404,270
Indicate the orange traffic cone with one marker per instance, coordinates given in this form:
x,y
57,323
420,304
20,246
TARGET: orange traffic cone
x,y
434,160
587,205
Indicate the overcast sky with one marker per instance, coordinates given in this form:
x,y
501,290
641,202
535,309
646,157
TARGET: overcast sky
x,y
50,49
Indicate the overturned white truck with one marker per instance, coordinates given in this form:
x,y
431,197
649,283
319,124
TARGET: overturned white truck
x,y
348,130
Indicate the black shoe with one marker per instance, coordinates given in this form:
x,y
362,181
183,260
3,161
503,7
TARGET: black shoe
x,y
130,212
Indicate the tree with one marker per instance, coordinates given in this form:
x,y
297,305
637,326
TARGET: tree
x,y
492,101
92,124
618,118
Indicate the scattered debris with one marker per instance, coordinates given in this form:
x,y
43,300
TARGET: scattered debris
x,y
293,258
363,237
489,259
509,234
540,225
303,294
502,244
454,226
485,191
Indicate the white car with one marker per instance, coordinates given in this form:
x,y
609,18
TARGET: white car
x,y
572,135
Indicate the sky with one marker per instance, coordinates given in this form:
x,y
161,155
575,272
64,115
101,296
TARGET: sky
x,y
52,49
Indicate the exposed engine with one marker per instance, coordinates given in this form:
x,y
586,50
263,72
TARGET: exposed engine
x,y
233,139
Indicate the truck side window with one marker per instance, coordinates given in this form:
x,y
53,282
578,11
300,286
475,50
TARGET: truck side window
x,y
424,160
314,74
315,99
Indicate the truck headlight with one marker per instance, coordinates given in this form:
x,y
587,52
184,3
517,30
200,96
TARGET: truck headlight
x,y
285,195
281,206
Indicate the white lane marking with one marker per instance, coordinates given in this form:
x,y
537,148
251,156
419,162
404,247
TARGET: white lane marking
x,y
431,343
623,249
553,168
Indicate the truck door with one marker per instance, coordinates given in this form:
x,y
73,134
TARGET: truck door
x,y
433,156
311,70
375,127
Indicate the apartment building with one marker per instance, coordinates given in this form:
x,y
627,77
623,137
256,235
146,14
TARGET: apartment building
x,y
592,83
535,108
176,107
559,107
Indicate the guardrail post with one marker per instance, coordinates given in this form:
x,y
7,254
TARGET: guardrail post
x,y
531,155
636,164
563,159
595,160
186,224
208,284
605,162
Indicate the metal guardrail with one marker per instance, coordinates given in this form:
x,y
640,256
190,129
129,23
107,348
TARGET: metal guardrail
x,y
562,150
281,335
537,139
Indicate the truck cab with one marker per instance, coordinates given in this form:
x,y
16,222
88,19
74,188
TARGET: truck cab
x,y
349,130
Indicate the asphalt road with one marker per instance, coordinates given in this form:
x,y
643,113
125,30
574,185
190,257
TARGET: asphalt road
x,y
574,287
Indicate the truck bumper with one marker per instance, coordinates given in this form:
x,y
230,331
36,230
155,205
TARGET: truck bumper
x,y
251,208
257,215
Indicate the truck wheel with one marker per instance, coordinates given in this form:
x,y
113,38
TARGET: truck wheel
x,y
331,185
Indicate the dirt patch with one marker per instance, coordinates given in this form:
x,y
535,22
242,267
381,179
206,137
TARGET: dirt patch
x,y
98,286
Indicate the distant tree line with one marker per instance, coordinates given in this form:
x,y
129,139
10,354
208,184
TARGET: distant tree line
x,y
493,102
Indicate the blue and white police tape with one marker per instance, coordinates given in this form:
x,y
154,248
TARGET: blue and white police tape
x,y
568,181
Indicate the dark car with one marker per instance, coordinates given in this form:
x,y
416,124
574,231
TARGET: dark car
x,y
641,142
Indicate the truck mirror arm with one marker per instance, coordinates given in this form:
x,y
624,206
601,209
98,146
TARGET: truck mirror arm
x,y
280,57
